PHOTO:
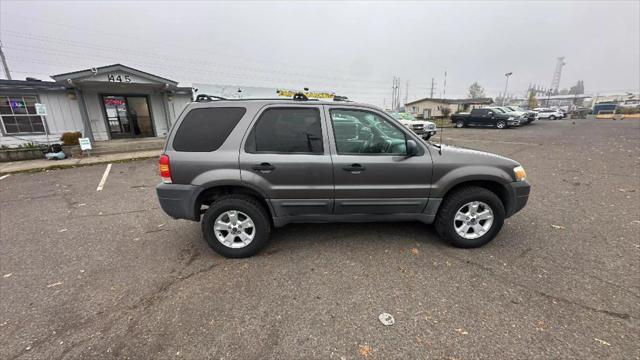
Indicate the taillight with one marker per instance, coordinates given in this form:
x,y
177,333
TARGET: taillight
x,y
165,171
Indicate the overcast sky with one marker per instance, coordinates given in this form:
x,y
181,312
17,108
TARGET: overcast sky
x,y
353,48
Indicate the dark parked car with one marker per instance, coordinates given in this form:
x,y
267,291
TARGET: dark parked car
x,y
243,167
485,117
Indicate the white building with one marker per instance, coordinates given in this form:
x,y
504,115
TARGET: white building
x,y
109,102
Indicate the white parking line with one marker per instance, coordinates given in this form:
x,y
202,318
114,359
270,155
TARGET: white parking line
x,y
4,176
104,178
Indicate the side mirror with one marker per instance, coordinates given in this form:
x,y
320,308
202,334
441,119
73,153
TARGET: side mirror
x,y
490,113
412,148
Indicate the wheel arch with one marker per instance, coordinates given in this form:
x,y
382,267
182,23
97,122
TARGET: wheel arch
x,y
212,193
492,185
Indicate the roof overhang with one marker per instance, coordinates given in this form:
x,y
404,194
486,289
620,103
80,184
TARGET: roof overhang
x,y
113,74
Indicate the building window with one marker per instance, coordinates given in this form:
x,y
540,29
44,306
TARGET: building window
x,y
18,115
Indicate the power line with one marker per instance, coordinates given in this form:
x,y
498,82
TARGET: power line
x,y
164,56
112,34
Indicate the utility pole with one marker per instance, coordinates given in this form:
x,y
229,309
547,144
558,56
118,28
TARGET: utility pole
x,y
406,93
432,85
393,94
444,89
504,96
4,63
398,95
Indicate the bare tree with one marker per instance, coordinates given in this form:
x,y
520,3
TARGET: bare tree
x,y
532,102
476,91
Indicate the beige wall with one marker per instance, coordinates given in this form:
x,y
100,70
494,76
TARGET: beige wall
x,y
418,108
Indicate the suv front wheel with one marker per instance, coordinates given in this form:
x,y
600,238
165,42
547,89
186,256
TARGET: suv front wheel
x,y
470,217
236,226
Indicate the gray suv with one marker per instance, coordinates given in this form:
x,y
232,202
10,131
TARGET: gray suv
x,y
243,167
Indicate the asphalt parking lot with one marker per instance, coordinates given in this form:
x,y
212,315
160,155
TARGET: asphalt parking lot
x,y
106,274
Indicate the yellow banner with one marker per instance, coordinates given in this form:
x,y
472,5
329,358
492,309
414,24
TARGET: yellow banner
x,y
309,94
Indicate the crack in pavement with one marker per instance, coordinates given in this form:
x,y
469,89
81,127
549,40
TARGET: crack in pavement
x,y
115,213
107,320
508,281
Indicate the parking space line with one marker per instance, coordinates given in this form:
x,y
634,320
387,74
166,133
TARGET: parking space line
x,y
104,178
4,176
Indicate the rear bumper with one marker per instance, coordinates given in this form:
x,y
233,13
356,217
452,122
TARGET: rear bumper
x,y
519,195
179,201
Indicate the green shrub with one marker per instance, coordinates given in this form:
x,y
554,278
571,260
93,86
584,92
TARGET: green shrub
x,y
70,138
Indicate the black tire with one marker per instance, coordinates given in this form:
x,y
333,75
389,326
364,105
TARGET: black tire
x,y
248,205
460,124
552,117
453,202
501,124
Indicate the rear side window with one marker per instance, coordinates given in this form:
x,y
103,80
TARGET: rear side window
x,y
206,129
287,130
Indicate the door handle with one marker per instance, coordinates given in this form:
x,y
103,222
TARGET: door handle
x,y
264,168
354,168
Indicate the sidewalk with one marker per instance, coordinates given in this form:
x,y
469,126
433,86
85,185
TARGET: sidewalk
x,y
39,165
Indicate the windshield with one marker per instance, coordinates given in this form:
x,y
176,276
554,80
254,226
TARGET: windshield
x,y
499,110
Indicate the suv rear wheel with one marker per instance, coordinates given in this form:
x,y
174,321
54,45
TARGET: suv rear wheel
x,y
470,217
460,124
236,226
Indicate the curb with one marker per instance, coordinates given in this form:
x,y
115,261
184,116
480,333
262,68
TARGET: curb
x,y
70,166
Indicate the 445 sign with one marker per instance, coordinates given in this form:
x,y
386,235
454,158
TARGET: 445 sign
x,y
118,78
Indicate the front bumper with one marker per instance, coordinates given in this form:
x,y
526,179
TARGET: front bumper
x,y
513,122
179,201
519,195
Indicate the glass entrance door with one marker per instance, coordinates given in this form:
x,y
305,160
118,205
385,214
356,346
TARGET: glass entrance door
x,y
128,116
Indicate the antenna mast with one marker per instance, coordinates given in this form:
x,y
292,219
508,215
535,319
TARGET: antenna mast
x,y
4,63
555,82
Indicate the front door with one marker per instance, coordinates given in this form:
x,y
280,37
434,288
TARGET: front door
x,y
372,174
128,116
286,155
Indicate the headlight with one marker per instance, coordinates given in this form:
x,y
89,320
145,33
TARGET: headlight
x,y
510,118
519,173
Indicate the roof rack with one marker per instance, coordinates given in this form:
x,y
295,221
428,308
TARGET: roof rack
x,y
205,97
302,97
341,98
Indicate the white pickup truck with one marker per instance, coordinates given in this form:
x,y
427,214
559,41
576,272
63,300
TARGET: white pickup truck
x,y
424,128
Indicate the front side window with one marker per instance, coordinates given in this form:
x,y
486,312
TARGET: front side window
x,y
18,115
364,132
287,130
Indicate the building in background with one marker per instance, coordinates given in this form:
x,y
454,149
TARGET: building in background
x,y
431,107
104,103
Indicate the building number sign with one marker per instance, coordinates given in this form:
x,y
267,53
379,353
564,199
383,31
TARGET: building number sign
x,y
119,78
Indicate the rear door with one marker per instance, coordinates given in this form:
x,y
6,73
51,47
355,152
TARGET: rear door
x,y
487,116
478,116
372,174
286,156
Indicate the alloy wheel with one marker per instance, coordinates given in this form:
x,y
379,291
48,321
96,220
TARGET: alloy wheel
x,y
473,220
234,229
